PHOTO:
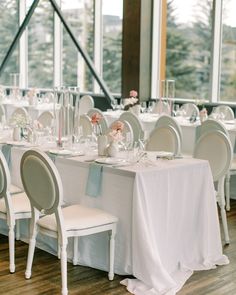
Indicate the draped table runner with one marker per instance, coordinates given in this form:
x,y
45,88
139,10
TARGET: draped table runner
x,y
168,221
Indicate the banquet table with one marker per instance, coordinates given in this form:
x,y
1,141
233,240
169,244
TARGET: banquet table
x,y
168,222
189,130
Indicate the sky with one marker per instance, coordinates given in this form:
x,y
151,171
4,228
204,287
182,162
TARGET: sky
x,y
185,11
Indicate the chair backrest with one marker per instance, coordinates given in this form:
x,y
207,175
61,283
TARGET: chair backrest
x,y
46,118
215,147
227,112
135,124
19,111
166,120
86,103
2,114
5,178
86,124
127,129
41,181
102,122
190,109
210,125
164,138
161,107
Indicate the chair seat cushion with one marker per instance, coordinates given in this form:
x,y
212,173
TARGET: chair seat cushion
x,y
77,217
20,204
15,189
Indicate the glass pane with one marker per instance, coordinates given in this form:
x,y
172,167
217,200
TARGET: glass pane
x,y
112,43
188,51
228,52
40,46
8,28
79,14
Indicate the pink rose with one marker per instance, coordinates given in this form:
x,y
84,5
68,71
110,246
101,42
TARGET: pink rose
x,y
133,93
96,117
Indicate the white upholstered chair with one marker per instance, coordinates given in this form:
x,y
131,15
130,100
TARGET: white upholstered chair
x,y
86,124
216,147
43,186
102,122
135,124
226,111
86,103
2,114
190,109
14,206
164,138
211,125
46,119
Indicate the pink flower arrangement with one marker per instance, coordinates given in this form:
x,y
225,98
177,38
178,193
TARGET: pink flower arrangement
x,y
132,100
133,93
116,132
96,117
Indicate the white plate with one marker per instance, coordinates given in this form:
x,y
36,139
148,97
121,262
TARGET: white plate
x,y
110,161
17,143
163,154
66,152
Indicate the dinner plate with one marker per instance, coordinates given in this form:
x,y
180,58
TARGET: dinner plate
x,y
65,152
163,154
110,161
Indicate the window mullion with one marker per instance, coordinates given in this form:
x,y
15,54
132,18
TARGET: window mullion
x,y
216,52
57,49
23,48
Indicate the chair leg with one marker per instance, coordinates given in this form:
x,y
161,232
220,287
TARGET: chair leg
x,y
32,242
112,253
11,239
75,254
222,210
227,191
17,230
64,290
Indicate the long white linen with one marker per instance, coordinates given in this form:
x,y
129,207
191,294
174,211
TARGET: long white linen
x,y
168,222
175,225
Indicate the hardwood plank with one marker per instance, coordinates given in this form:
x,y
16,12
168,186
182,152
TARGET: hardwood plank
x,y
84,280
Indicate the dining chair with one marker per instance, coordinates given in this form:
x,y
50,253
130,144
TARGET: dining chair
x,y
164,138
86,103
86,124
215,147
135,124
43,186
46,119
14,206
228,113
166,120
211,125
2,114
190,109
102,122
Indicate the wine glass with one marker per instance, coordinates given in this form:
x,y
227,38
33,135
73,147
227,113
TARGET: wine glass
x,y
143,106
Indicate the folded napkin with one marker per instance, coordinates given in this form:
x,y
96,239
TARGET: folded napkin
x,y
6,150
94,181
52,157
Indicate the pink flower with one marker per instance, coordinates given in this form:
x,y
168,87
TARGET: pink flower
x,y
96,117
118,126
133,93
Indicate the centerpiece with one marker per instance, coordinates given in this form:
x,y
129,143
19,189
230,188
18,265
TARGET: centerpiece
x,y
132,103
115,136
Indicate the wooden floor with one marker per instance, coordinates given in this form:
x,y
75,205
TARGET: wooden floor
x,y
86,281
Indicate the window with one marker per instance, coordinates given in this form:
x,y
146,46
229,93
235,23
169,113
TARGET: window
x,y
40,46
80,17
188,47
112,43
8,27
228,52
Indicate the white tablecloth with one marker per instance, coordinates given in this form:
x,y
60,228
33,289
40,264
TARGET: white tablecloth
x,y
168,222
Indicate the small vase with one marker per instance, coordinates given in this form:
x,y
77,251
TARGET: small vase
x,y
16,134
112,149
102,144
